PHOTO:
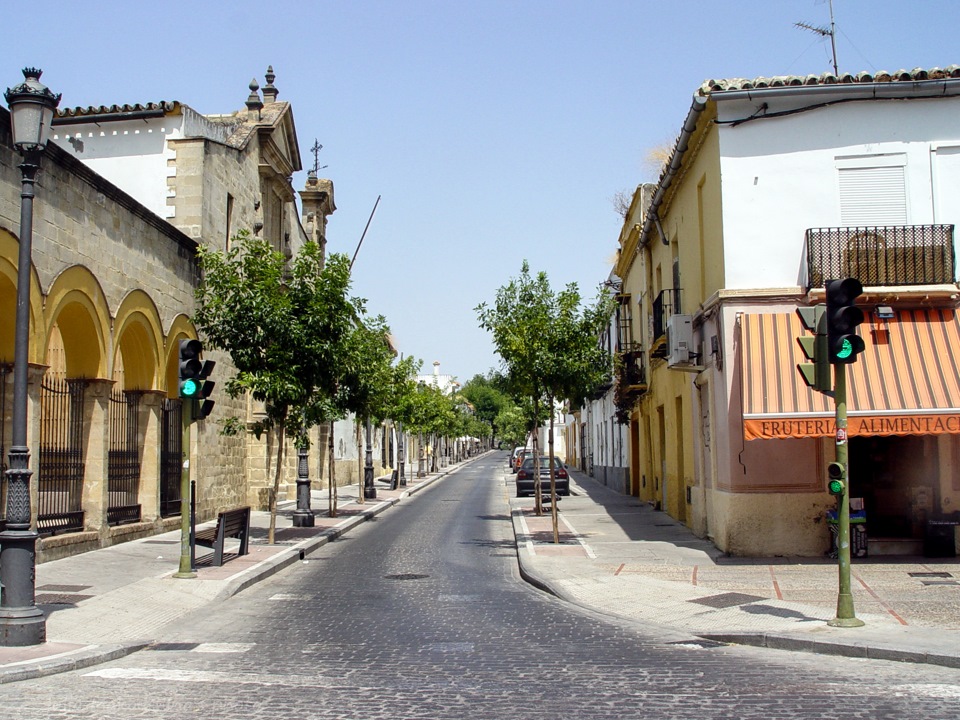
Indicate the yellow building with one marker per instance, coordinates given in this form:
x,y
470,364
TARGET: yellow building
x,y
774,186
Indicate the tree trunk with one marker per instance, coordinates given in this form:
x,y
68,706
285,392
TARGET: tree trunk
x,y
281,438
360,498
553,483
537,486
332,487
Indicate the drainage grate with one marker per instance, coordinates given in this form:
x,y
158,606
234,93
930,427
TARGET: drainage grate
x,y
726,600
173,647
60,598
63,588
939,582
406,576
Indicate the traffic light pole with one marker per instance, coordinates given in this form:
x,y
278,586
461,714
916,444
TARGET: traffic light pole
x,y
186,566
845,613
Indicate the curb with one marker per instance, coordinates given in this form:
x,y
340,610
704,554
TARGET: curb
x,y
773,641
823,647
76,660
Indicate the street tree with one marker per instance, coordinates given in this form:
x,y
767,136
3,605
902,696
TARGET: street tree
x,y
284,325
548,344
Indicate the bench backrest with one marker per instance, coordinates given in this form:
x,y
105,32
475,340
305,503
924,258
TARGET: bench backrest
x,y
234,521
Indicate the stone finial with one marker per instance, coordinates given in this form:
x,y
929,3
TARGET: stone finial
x,y
254,103
270,91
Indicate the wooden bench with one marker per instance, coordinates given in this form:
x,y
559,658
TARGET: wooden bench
x,y
230,524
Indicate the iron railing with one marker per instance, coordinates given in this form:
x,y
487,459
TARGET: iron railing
x,y
881,256
123,458
667,303
171,456
61,465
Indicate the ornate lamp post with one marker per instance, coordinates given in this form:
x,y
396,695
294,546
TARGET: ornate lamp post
x,y
21,621
369,489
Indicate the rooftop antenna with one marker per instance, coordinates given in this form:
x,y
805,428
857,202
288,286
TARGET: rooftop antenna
x,y
824,32
317,147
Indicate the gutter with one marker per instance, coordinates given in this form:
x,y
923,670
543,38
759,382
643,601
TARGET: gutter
x,y
652,219
885,90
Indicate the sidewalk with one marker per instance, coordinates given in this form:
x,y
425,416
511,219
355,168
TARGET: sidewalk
x,y
618,556
108,603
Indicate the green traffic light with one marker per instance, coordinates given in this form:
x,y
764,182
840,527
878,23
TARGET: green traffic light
x,y
835,487
189,388
846,350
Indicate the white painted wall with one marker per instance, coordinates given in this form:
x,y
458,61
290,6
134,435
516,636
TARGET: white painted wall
x,y
780,175
132,154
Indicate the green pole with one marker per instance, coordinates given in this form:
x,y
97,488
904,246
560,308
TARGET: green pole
x,y
185,571
845,613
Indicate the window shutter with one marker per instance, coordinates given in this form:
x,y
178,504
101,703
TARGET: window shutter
x,y
873,196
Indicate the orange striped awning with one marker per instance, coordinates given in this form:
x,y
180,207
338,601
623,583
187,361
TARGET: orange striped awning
x,y
906,382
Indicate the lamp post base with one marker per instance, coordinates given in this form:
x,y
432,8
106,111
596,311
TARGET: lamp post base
x,y
22,627
22,623
303,518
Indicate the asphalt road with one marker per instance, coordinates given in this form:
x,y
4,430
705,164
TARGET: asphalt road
x,y
421,614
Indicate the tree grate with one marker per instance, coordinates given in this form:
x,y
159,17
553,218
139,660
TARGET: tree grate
x,y
60,598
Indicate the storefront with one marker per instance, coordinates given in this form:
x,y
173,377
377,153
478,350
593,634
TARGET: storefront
x,y
903,406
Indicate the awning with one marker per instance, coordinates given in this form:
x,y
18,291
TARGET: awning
x,y
906,382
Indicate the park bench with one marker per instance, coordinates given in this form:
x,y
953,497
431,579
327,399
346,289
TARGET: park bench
x,y
230,524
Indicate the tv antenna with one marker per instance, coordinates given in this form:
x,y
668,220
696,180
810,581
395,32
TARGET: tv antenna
x,y
824,32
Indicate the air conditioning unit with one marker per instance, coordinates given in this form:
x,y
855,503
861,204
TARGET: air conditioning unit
x,y
679,340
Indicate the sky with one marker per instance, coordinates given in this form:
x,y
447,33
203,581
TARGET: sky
x,y
494,132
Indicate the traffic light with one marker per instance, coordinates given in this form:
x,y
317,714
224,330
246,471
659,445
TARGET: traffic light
x,y
843,317
836,473
190,368
193,377
815,374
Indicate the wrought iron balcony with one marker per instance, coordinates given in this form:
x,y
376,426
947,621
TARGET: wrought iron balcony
x,y
632,370
883,255
666,304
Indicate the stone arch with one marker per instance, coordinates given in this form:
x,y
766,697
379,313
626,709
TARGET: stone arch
x,y
138,340
180,329
9,258
77,305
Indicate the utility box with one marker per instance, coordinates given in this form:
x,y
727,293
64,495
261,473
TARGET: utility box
x,y
679,340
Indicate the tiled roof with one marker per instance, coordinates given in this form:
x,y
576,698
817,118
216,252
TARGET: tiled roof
x,y
915,75
164,106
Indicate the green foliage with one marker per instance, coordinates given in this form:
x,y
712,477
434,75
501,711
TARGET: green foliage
x,y
487,400
547,342
286,328
512,425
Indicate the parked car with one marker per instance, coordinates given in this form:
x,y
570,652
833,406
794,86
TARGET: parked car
x,y
517,458
525,477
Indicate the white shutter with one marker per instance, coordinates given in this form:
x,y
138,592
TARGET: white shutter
x,y
871,196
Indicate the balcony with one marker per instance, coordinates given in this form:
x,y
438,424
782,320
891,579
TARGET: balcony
x,y
666,304
631,382
882,256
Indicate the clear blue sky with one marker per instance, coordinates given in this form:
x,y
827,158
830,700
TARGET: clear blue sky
x,y
495,131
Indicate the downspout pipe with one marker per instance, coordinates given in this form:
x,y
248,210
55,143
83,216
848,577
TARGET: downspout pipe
x,y
653,219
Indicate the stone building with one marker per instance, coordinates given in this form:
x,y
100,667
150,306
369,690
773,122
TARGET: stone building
x,y
126,195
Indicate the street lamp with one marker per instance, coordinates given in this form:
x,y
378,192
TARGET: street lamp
x,y
369,489
21,621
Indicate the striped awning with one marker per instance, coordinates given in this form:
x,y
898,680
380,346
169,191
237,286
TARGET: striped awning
x,y
906,382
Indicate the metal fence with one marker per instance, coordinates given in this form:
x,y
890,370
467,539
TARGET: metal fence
x,y
171,456
61,465
123,458
881,255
